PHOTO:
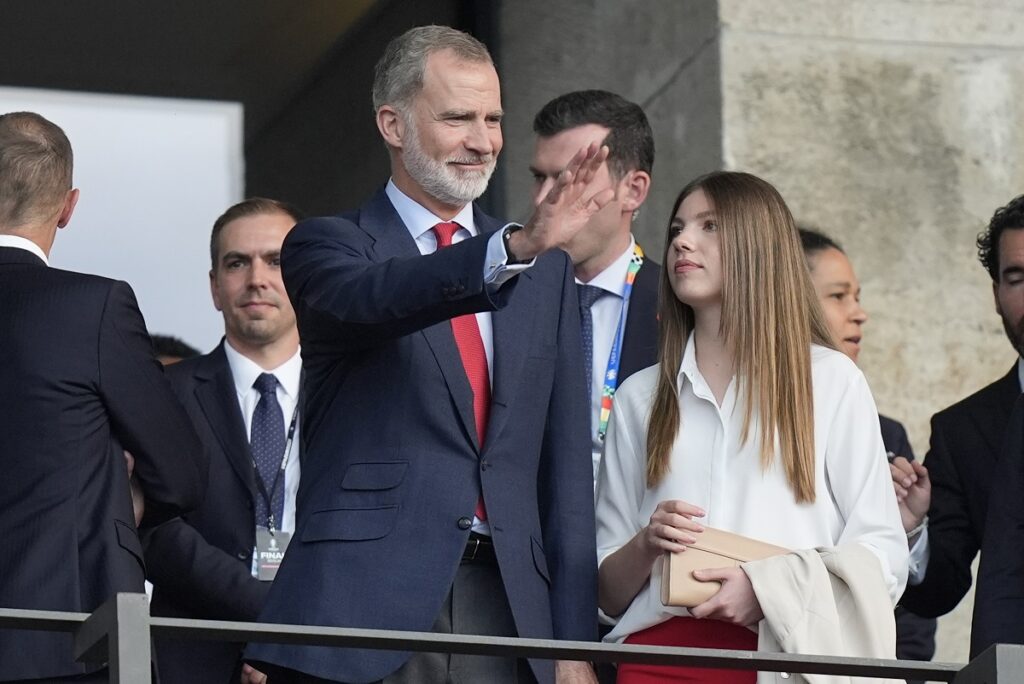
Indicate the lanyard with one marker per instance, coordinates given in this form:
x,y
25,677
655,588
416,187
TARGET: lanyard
x,y
268,497
611,376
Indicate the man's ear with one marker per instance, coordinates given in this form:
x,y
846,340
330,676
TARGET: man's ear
x,y
70,201
637,185
995,296
214,291
391,126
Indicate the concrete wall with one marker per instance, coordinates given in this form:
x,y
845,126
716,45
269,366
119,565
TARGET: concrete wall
x,y
896,126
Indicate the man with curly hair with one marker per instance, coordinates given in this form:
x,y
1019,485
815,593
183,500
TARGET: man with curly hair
x,y
944,507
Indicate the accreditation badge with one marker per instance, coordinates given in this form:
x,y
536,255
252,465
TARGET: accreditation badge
x,y
270,548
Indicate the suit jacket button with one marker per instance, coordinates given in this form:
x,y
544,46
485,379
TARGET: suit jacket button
x,y
465,523
242,555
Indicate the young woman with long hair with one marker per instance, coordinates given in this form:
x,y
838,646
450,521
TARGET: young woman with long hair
x,y
751,422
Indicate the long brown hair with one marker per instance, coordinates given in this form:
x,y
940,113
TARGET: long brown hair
x,y
770,316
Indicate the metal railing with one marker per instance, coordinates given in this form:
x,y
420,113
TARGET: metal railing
x,y
118,633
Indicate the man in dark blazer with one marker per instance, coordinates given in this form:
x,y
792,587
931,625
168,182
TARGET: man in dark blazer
x,y
446,478
201,565
616,281
78,387
1000,594
944,503
999,599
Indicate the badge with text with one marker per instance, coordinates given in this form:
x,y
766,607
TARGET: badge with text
x,y
270,550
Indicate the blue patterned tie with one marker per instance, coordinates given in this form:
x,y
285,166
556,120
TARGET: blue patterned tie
x,y
588,294
267,443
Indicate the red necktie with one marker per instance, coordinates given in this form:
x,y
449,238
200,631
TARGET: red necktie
x,y
474,359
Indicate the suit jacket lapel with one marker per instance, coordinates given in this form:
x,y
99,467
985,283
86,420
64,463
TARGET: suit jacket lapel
x,y
215,392
392,239
640,343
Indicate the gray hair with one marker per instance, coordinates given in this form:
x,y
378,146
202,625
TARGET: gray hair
x,y
35,167
398,76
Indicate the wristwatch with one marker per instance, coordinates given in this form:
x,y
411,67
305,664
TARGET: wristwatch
x,y
506,235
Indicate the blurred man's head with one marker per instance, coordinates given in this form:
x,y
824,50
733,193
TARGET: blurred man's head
x,y
36,196
170,350
438,106
245,277
1001,251
572,121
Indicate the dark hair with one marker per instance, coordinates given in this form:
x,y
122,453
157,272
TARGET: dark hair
x,y
1010,217
254,206
630,140
814,241
35,167
167,345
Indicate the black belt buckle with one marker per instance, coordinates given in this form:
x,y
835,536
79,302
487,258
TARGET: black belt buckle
x,y
478,548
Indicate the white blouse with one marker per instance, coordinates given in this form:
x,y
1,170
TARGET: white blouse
x,y
710,468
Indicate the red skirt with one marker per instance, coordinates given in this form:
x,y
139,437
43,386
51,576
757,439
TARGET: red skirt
x,y
687,631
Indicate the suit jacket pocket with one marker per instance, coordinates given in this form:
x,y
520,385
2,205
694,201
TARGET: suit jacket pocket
x,y
128,538
539,559
350,524
374,476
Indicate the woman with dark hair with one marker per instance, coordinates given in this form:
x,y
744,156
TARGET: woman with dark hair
x,y
751,422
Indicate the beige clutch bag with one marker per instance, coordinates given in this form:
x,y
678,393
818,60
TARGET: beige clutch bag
x,y
714,549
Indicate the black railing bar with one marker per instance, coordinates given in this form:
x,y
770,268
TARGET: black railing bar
x,y
551,649
41,620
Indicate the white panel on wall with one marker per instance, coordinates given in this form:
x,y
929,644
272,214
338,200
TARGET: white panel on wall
x,y
154,173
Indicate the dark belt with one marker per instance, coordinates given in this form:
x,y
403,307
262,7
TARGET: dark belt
x,y
479,549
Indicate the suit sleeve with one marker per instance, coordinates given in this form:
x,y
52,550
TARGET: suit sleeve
x,y
348,300
147,419
999,601
952,543
566,486
209,582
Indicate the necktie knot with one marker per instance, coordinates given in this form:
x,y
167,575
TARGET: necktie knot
x,y
265,384
445,232
588,294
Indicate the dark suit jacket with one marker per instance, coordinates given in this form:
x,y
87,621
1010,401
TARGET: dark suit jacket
x,y
999,600
965,444
393,467
200,565
640,338
78,384
915,635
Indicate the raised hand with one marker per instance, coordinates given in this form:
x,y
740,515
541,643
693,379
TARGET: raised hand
x,y
574,197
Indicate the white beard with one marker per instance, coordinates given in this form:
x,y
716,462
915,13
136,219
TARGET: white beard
x,y
438,178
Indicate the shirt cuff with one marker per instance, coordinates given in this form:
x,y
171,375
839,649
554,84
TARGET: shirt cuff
x,y
497,270
920,552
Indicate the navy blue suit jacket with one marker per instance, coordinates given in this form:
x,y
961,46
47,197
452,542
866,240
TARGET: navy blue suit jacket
x,y
999,600
392,460
965,444
78,385
201,564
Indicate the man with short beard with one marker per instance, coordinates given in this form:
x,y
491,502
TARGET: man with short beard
x,y
217,562
944,502
447,476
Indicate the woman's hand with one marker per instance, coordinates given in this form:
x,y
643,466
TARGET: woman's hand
x,y
735,602
672,527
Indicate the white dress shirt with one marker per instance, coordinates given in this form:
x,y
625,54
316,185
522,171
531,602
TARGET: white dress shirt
x,y
245,371
712,469
420,222
920,552
605,312
24,243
